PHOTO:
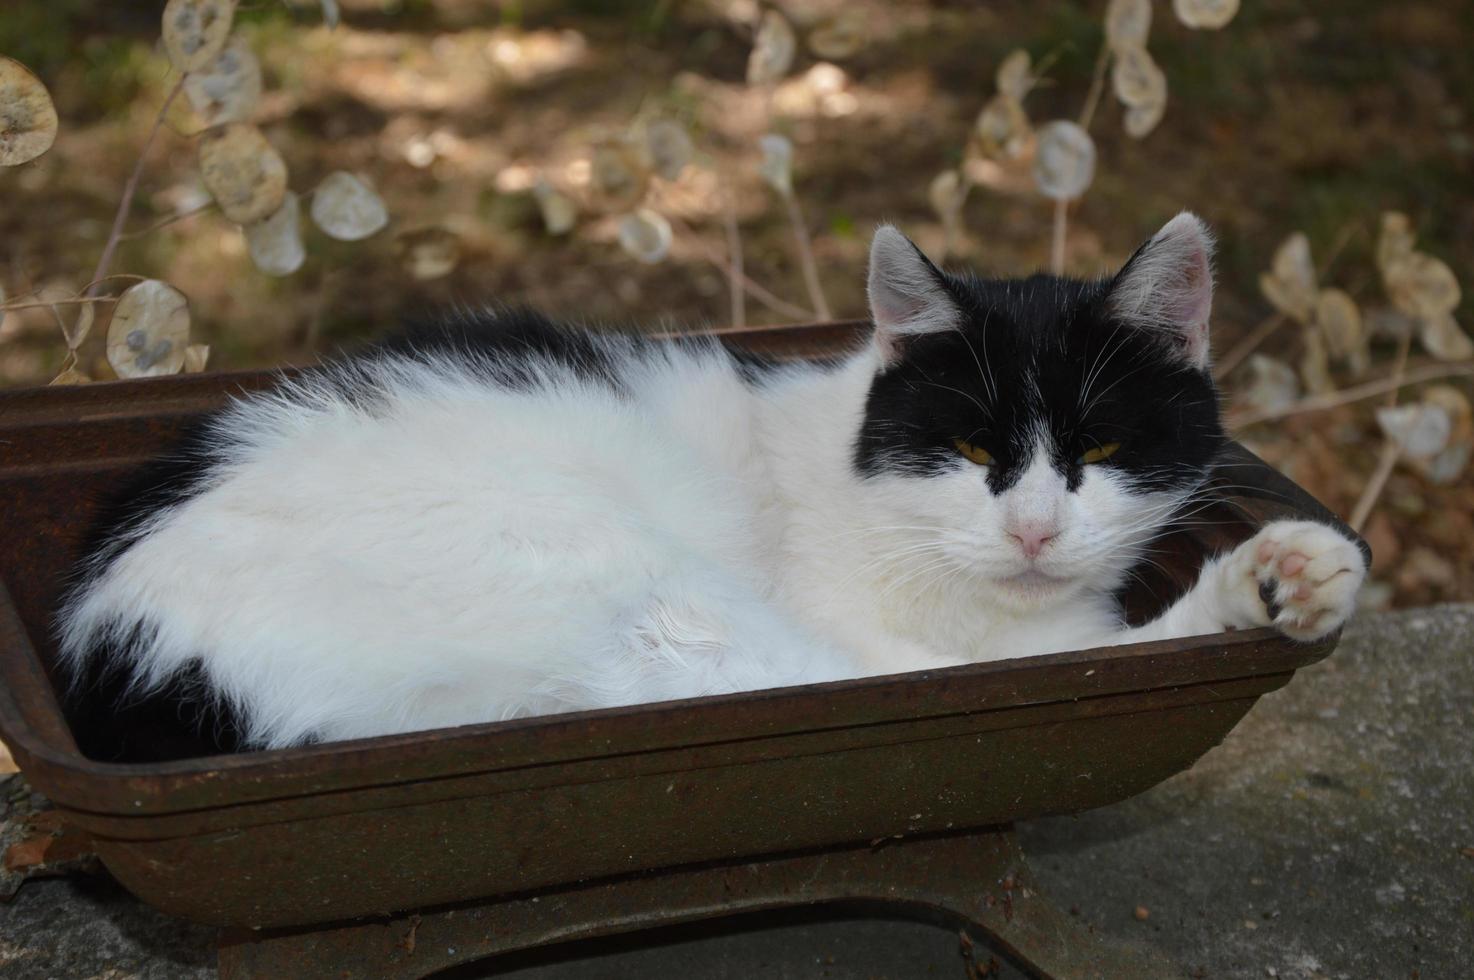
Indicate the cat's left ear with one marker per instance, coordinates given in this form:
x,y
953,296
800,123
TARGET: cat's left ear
x,y
1167,287
908,295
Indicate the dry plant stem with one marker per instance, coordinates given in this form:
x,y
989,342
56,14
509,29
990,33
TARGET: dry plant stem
x,y
166,222
1391,452
1057,249
1399,366
806,257
1247,346
1361,392
734,258
131,187
1097,87
777,304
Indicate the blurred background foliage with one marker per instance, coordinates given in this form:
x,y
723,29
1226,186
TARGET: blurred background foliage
x,y
1308,116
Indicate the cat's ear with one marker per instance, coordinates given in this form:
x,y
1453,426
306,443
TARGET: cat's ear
x,y
908,295
1167,287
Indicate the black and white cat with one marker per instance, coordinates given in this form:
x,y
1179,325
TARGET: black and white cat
x,y
501,516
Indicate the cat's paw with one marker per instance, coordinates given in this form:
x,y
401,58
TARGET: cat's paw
x,y
1300,577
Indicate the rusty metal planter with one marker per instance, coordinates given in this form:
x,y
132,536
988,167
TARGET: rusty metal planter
x,y
589,806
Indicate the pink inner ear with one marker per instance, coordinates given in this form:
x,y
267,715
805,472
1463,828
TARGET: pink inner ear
x,y
1168,286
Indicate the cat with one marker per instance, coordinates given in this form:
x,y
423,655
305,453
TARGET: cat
x,y
499,516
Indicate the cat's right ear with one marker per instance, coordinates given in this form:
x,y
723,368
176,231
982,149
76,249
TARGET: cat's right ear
x,y
908,295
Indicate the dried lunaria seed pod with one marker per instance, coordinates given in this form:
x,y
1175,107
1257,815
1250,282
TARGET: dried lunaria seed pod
x,y
347,208
149,332
558,210
228,88
772,50
1272,386
1003,128
1290,285
330,13
196,356
195,31
669,147
947,194
1127,24
1442,337
1423,286
242,171
1136,78
1339,320
619,175
275,242
430,253
646,235
1205,14
1395,242
1447,466
1064,163
1315,366
27,115
1421,430
838,37
74,319
1142,119
777,166
1015,75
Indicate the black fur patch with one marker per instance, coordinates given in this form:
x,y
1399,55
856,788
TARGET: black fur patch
x,y
1041,356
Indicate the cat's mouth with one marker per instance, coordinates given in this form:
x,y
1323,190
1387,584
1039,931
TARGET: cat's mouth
x,y
1033,583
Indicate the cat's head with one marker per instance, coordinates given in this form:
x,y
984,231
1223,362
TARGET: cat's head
x,y
1039,432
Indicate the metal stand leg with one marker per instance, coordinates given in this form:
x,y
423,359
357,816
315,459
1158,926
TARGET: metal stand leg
x,y
978,879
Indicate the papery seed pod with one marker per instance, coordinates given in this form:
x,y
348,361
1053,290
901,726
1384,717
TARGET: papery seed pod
x,y
1290,285
1003,128
1315,366
1447,466
1014,77
1064,162
27,115
1387,323
558,210
275,242
619,175
430,253
195,31
772,50
149,331
1127,24
242,171
839,37
777,166
196,356
347,208
1422,286
669,147
1421,430
1136,78
331,15
646,235
1442,337
1140,120
1339,320
1394,243
947,194
1205,14
228,88
1273,386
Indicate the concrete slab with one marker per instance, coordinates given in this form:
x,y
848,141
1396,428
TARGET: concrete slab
x,y
1331,836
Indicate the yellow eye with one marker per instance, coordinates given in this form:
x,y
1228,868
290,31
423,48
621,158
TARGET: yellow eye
x,y
1100,453
977,454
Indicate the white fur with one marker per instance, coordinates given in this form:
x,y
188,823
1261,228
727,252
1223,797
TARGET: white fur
x,y
1169,285
456,551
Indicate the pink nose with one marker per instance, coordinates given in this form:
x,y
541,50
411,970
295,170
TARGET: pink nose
x,y
1032,538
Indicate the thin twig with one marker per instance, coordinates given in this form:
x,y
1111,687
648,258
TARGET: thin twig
x,y
166,222
1057,249
1361,392
775,303
734,260
131,187
806,257
1391,449
1097,86
1399,365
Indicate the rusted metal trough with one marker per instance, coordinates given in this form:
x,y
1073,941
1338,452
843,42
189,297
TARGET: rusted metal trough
x,y
403,855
